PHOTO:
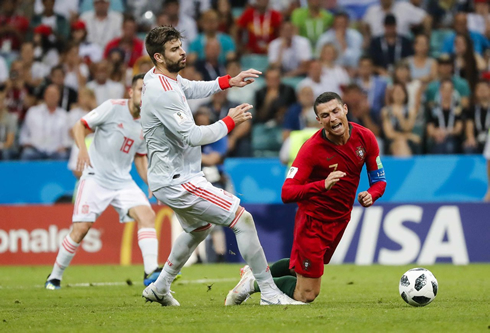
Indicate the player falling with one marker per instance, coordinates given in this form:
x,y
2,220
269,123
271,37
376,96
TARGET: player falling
x,y
118,140
323,180
174,173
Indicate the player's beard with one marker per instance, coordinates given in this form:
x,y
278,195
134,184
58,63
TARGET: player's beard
x,y
175,67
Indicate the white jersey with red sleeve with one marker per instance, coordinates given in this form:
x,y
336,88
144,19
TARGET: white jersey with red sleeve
x,y
118,137
172,137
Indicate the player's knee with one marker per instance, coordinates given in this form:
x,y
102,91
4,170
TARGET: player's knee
x,y
246,221
148,219
309,295
79,231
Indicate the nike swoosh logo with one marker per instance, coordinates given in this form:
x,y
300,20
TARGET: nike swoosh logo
x,y
329,158
158,298
266,301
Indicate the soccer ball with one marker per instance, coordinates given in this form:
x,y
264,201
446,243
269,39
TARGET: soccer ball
x,y
418,287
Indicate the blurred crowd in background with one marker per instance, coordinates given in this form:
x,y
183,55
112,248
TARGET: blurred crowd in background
x,y
414,72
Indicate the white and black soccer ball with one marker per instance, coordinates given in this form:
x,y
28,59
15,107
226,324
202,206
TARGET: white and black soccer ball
x,y
418,287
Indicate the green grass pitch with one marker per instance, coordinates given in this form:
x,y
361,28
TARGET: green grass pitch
x,y
353,299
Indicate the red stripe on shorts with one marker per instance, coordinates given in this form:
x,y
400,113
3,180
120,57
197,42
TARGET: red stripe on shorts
x,y
198,193
79,195
206,227
237,217
210,194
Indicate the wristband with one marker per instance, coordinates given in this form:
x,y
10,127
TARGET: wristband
x,y
229,122
224,82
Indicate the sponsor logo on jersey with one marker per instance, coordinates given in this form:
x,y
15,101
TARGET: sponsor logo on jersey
x,y
180,117
120,125
292,172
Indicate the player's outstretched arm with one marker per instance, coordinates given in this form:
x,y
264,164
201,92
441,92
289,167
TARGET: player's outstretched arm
x,y
241,113
244,78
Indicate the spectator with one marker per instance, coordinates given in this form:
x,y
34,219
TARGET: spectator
x,y
103,87
44,134
76,71
142,65
68,96
58,23
444,121
301,114
290,52
422,66
478,122
334,76
239,141
8,127
407,15
312,21
132,47
414,88
359,110
314,79
235,94
118,71
262,25
19,93
35,71
389,48
226,21
460,26
479,21
347,41
46,47
13,27
210,67
467,63
209,25
213,156
398,123
4,70
445,71
180,21
373,86
486,154
272,101
194,9
90,52
103,25
67,8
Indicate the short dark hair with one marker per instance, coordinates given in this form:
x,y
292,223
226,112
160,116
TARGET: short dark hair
x,y
57,68
137,77
325,98
157,38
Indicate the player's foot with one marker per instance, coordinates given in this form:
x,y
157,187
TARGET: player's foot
x,y
152,277
152,295
279,299
52,284
243,289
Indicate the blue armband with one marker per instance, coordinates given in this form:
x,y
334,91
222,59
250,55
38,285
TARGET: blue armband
x,y
376,176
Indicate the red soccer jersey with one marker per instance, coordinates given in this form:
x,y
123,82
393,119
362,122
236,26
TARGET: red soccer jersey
x,y
305,183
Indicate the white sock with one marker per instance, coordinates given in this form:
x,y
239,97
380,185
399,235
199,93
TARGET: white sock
x,y
182,249
148,243
65,255
252,252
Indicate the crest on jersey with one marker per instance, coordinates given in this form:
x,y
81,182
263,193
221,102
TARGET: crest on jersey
x,y
85,209
306,265
361,152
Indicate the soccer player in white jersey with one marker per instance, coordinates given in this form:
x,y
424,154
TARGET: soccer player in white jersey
x,y
174,173
105,181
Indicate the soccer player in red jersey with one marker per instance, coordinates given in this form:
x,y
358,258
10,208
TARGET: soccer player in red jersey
x,y
323,180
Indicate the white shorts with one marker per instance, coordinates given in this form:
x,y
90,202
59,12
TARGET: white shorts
x,y
198,204
93,199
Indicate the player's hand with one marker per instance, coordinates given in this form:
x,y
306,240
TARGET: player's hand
x,y
333,178
365,199
241,113
83,160
240,79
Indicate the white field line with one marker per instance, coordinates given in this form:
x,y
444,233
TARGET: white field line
x,y
111,284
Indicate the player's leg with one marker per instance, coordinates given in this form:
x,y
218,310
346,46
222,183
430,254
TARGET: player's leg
x,y
147,241
132,204
90,202
183,247
307,289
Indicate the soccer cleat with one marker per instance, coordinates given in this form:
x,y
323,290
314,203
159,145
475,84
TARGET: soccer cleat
x,y
279,299
151,277
52,284
152,295
243,289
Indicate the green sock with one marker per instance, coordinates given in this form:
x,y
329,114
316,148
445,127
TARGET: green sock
x,y
286,284
280,268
